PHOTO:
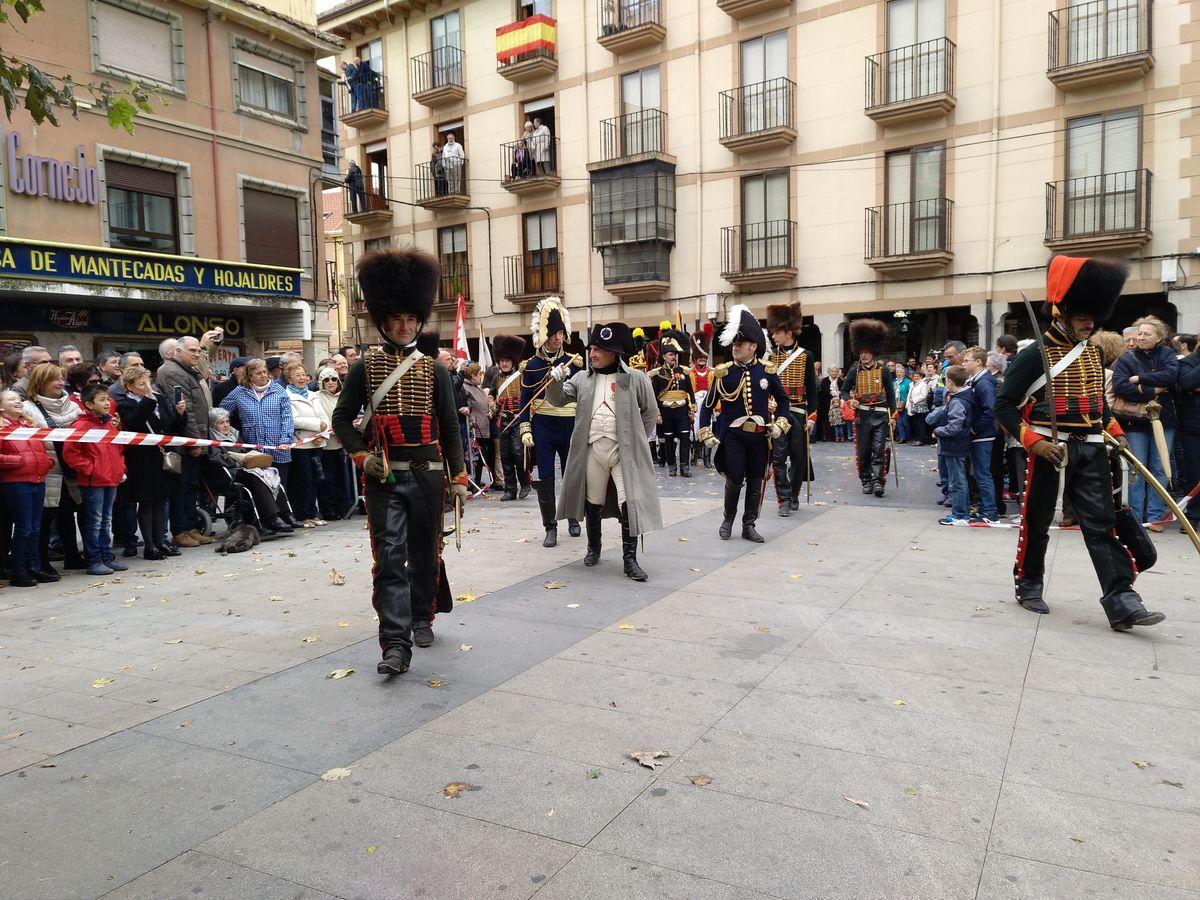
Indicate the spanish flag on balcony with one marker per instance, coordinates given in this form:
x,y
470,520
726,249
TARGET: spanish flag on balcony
x,y
527,36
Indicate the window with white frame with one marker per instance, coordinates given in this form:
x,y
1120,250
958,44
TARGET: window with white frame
x,y
268,83
137,40
1103,154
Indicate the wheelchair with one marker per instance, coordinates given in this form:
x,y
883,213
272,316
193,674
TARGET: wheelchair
x,y
231,502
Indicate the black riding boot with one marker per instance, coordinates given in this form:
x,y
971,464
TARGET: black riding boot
x,y
545,492
733,491
592,519
750,514
1029,595
671,460
629,548
685,456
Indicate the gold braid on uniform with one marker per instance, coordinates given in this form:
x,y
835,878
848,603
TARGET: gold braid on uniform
x,y
413,395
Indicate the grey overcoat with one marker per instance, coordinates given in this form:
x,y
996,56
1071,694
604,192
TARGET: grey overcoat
x,y
637,413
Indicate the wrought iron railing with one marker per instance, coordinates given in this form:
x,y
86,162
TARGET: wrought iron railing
x,y
532,157
446,178
755,246
524,56
361,94
456,279
368,198
438,68
1097,31
642,131
1098,205
910,73
908,229
532,272
757,107
620,15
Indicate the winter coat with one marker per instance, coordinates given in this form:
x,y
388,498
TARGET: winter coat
x,y
61,477
326,404
983,402
637,413
267,421
173,374
1155,368
1189,393
954,437
26,462
96,465
477,403
146,482
307,418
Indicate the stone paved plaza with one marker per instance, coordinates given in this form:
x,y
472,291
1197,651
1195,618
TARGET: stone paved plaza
x,y
857,708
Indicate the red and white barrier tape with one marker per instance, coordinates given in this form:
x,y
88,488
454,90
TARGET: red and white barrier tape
x,y
138,439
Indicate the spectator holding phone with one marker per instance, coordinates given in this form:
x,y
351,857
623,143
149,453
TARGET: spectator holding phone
x,y
182,377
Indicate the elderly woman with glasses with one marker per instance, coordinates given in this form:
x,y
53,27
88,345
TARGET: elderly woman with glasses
x,y
336,491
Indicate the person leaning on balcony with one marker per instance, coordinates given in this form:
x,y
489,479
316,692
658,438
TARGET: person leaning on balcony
x,y
437,169
354,184
540,144
454,158
350,74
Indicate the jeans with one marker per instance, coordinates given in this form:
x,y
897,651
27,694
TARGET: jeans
x,y
956,474
944,476
97,522
185,494
902,422
1145,501
981,466
25,499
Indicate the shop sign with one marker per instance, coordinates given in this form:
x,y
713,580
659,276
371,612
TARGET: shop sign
x,y
97,265
39,176
123,321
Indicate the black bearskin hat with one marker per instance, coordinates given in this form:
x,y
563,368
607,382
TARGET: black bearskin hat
x,y
868,334
508,346
784,317
1085,286
399,280
427,343
674,341
743,326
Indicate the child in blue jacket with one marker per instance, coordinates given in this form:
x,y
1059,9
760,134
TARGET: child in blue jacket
x,y
954,444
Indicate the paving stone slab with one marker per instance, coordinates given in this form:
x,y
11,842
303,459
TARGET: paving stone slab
x,y
634,652
729,632
977,634
1012,878
198,874
1142,684
1158,727
603,876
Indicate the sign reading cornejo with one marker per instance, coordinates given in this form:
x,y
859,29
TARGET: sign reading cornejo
x,y
74,182
96,265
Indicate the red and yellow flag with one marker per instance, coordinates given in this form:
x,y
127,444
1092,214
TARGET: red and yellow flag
x,y
535,33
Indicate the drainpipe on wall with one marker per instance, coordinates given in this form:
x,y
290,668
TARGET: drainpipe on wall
x,y
993,185
212,140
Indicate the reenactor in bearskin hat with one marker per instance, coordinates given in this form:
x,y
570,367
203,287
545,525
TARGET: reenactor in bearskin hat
x,y
1069,443
409,450
609,472
743,428
794,366
676,401
545,426
873,396
505,391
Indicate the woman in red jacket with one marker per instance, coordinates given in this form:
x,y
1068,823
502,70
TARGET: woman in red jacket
x,y
99,468
23,468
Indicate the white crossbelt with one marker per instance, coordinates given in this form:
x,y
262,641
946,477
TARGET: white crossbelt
x,y
1055,370
1087,438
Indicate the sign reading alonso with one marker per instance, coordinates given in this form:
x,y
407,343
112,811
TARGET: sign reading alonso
x,y
98,265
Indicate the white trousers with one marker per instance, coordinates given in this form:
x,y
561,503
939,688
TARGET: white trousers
x,y
603,463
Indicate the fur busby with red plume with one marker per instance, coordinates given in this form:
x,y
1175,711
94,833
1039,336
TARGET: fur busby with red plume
x,y
399,280
508,346
868,334
784,317
1085,286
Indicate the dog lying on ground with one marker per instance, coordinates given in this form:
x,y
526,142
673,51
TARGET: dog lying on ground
x,y
238,540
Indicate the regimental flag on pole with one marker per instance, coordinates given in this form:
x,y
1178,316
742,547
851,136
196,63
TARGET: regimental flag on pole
x,y
461,350
485,351
679,319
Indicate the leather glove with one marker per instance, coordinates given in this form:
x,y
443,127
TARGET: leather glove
x,y
706,437
1055,454
376,468
458,490
526,435
560,372
775,431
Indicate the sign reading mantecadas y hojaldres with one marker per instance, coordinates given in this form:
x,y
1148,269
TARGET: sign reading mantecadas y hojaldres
x,y
100,265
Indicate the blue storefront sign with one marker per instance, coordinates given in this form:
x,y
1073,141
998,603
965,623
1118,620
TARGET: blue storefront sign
x,y
100,265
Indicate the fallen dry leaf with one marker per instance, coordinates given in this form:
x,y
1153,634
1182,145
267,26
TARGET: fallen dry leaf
x,y
340,673
454,788
899,703
336,577
648,758
12,735
275,598
372,848
1174,784
101,682
911,791
200,571
48,765
626,626
762,629
1142,763
918,549
310,639
699,780
795,575
465,598
125,667
291,554
343,624
550,814
572,606
464,647
684,540
434,683
555,585
185,723
335,774
1077,840
863,804
593,773
695,569
175,641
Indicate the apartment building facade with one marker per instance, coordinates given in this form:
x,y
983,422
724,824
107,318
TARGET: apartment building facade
x,y
207,214
913,159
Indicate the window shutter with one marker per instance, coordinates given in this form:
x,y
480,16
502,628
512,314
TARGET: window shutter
x,y
1084,142
272,228
132,42
1120,144
140,179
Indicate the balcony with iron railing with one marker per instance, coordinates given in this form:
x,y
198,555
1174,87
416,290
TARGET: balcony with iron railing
x,y
530,165
455,280
741,9
366,205
530,276
630,25
756,255
1100,42
632,137
1099,212
906,238
525,50
361,102
437,77
758,116
909,83
443,185
358,306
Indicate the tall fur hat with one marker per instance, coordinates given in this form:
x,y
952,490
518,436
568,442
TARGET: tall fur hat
x,y
508,346
702,341
743,326
868,334
399,280
784,317
1085,286
549,316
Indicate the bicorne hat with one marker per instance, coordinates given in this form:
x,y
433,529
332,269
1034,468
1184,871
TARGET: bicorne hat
x,y
549,317
673,341
868,334
399,280
614,336
743,326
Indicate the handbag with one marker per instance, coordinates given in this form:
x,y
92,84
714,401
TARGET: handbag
x,y
1128,409
172,462
1132,534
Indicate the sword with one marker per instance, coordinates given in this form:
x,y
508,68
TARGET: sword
x,y
1129,457
807,463
458,522
1153,411
892,442
1041,342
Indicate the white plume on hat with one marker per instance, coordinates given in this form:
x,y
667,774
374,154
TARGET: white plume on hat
x,y
734,325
